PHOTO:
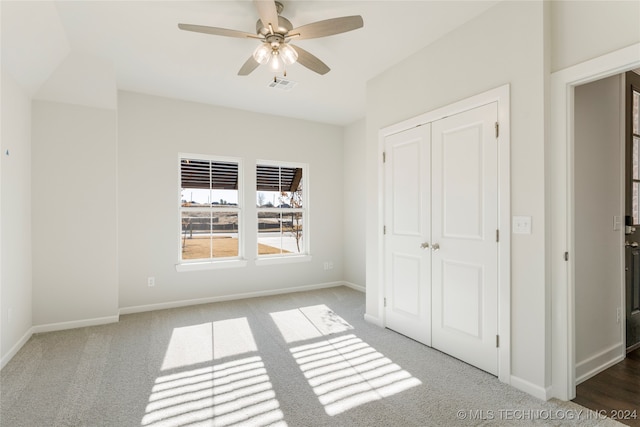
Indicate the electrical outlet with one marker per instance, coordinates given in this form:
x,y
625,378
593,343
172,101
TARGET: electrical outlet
x,y
151,281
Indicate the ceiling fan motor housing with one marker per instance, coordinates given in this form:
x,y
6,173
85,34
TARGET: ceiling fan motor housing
x,y
284,26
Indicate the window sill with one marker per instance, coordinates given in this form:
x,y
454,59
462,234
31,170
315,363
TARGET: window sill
x,y
283,260
212,265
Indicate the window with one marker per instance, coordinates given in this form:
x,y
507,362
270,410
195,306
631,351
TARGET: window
x,y
210,215
282,204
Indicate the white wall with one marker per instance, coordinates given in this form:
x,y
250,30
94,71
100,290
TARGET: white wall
x,y
15,214
598,259
355,200
504,45
152,131
74,216
584,30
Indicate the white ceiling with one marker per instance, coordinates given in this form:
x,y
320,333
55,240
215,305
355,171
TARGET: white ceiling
x,y
140,40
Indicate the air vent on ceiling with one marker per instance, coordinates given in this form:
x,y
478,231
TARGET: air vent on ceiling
x,y
282,84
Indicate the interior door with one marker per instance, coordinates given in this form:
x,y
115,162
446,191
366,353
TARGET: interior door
x,y
632,231
407,233
464,237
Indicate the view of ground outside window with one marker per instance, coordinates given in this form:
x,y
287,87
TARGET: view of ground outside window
x,y
211,214
281,211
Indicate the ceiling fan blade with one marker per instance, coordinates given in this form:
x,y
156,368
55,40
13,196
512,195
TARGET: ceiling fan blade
x,y
311,61
250,65
268,12
327,27
217,31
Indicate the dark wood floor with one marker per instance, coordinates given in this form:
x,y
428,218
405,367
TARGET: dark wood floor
x,y
615,391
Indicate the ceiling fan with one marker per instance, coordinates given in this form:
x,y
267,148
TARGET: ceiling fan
x,y
275,33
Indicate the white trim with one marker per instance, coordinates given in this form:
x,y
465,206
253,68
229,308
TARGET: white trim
x,y
282,259
16,348
211,265
185,303
61,326
378,321
355,287
532,389
559,149
599,362
501,95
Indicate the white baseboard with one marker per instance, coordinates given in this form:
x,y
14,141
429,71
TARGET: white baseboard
x,y
599,362
374,320
530,388
14,350
355,287
75,324
184,303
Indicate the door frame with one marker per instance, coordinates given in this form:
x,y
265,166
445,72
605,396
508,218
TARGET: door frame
x,y
502,97
561,211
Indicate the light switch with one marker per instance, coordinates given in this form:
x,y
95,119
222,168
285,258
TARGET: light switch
x,y
521,224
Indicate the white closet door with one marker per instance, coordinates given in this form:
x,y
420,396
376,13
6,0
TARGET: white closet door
x,y
464,213
407,221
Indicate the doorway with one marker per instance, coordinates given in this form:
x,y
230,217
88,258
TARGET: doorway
x,y
562,210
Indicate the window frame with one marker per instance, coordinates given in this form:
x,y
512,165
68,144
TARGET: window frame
x,y
305,252
212,263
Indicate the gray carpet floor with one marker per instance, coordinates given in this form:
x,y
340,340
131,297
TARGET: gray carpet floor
x,y
301,359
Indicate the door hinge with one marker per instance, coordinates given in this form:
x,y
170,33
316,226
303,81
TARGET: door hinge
x,y
497,235
385,302
566,256
384,229
384,157
497,129
497,341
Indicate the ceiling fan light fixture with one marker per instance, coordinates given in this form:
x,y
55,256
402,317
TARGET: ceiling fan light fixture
x,y
263,53
289,54
276,63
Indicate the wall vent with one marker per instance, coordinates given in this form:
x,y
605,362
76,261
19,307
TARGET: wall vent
x,y
282,84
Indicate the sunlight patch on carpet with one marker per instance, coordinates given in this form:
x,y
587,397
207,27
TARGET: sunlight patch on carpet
x,y
345,372
203,343
227,394
309,322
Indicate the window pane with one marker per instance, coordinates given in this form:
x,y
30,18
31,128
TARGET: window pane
x,y
635,158
280,233
292,230
269,233
225,234
278,186
208,183
635,206
292,199
636,112
196,235
208,235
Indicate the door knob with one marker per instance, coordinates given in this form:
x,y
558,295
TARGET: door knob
x,y
435,247
424,245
